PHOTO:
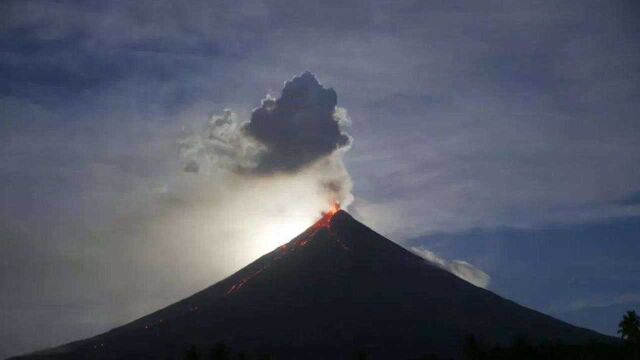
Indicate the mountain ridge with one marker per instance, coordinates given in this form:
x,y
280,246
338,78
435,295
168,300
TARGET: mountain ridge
x,y
336,288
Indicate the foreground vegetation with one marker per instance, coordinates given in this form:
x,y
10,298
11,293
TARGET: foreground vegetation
x,y
627,349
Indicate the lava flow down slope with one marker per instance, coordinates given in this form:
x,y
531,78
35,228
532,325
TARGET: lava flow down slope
x,y
337,288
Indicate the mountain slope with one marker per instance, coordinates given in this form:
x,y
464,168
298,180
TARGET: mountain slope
x,y
336,288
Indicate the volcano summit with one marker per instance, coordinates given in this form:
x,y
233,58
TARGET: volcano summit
x,y
336,288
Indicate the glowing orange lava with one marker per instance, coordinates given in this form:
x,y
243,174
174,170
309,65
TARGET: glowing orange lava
x,y
325,221
333,210
243,281
302,240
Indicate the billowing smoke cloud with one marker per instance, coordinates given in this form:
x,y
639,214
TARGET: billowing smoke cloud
x,y
298,128
461,269
244,187
303,129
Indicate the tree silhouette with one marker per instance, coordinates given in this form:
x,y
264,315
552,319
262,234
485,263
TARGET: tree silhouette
x,y
361,355
191,353
471,348
629,328
428,357
220,352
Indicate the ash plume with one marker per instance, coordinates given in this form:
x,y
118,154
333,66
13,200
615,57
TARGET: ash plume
x,y
300,133
245,186
298,128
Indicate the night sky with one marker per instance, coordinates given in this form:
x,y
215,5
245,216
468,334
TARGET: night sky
x,y
500,140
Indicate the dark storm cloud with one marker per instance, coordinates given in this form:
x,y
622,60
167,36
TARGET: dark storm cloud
x,y
298,128
302,131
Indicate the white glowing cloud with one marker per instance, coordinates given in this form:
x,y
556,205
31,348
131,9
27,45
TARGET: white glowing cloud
x,y
460,268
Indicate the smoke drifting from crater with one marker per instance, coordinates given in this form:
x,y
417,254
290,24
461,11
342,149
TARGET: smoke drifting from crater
x,y
244,187
301,132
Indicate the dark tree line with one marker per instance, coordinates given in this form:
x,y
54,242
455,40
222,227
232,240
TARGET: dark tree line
x,y
220,351
628,349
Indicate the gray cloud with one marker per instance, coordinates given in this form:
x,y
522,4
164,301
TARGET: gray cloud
x,y
192,167
298,128
301,129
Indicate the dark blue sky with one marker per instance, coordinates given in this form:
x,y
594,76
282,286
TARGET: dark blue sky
x,y
561,268
502,134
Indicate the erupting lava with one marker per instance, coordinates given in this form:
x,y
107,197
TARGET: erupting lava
x,y
325,221
300,241
333,210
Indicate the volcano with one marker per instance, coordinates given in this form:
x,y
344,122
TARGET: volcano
x,y
337,288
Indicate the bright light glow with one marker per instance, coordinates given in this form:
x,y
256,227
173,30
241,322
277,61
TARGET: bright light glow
x,y
215,225
279,231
